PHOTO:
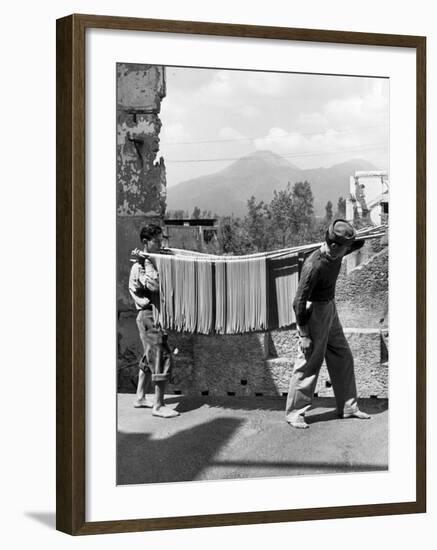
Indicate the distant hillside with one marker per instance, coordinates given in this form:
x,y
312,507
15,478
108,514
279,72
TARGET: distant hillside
x,y
259,174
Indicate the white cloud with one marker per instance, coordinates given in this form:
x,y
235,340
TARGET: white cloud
x,y
298,145
280,141
175,132
173,108
266,84
239,90
358,110
230,133
218,89
248,111
314,121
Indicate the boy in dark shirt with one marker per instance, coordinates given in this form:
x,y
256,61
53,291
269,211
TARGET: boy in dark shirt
x,y
320,331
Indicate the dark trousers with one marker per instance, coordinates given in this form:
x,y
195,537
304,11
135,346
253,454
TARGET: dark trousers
x,y
329,343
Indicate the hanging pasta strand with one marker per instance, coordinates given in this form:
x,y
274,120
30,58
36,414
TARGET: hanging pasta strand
x,y
204,296
220,296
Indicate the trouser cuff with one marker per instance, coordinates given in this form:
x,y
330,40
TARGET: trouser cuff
x,y
348,410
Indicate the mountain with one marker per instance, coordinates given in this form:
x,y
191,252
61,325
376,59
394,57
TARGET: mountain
x,y
328,184
259,174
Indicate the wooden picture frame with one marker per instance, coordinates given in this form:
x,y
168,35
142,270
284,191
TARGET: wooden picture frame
x,y
71,252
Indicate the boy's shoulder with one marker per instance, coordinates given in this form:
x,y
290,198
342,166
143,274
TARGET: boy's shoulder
x,y
138,266
314,260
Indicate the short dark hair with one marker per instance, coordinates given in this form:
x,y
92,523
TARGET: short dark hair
x,y
150,231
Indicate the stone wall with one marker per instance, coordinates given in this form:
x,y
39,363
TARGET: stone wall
x,y
230,364
243,365
362,294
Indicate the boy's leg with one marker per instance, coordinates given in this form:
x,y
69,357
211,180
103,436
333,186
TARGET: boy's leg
x,y
161,376
143,385
144,323
340,363
301,389
306,369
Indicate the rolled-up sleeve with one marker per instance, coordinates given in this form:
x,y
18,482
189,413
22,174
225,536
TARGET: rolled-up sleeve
x,y
307,281
152,276
136,290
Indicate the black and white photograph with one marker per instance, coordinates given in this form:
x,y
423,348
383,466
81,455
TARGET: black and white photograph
x,y
252,222
224,212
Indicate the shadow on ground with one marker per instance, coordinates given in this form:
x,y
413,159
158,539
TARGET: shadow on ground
x,y
185,404
231,438
180,457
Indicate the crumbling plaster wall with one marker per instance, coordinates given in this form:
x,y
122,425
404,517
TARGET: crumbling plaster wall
x,y
141,183
141,178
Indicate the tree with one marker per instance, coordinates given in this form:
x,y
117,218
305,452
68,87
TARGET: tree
x,y
281,210
174,214
303,207
328,212
257,224
196,213
288,220
232,238
341,208
318,231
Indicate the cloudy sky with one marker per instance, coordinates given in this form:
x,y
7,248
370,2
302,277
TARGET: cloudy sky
x,y
311,120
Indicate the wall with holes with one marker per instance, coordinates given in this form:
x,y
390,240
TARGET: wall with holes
x,y
257,364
